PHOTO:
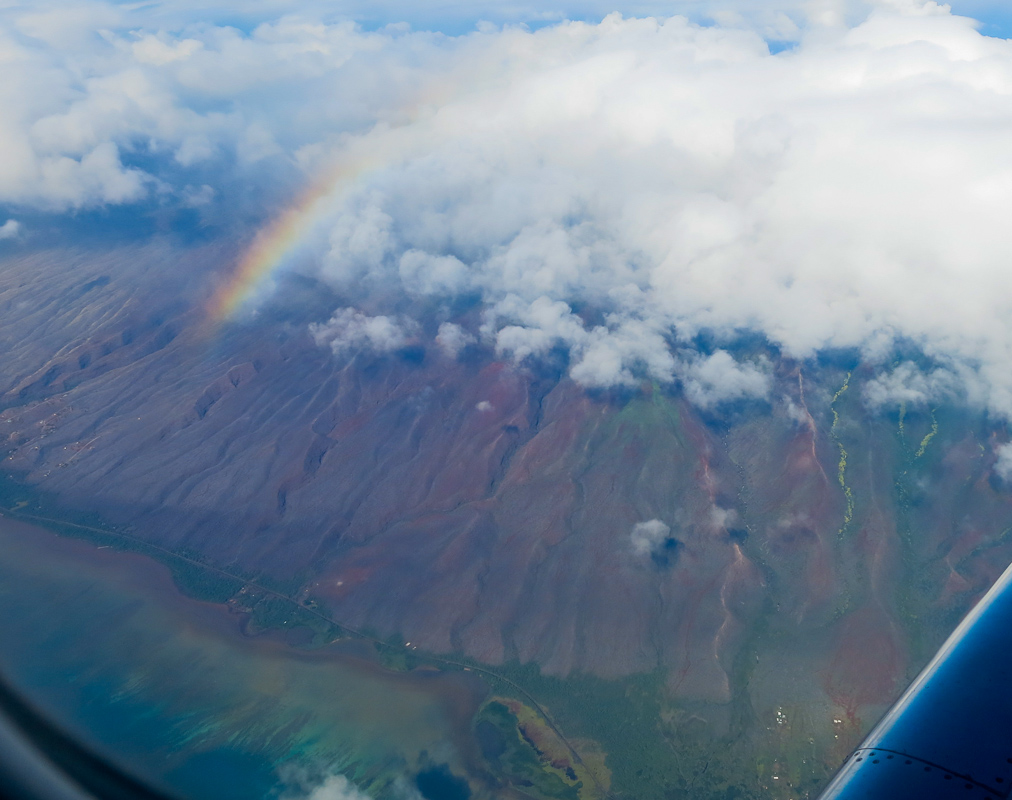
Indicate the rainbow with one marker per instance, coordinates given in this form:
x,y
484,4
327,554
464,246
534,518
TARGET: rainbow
x,y
273,245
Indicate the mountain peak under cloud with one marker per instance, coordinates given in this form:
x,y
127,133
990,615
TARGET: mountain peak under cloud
x,y
610,189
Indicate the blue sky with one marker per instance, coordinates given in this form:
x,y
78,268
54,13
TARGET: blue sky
x,y
995,16
459,17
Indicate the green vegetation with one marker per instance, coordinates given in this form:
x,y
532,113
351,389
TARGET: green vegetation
x,y
657,750
582,737
599,738
848,515
918,459
647,415
622,716
928,436
266,600
513,755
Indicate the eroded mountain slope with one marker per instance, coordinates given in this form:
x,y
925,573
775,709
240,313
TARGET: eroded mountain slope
x,y
482,508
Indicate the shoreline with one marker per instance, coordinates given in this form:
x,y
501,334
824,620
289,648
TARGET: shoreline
x,y
122,598
459,688
443,665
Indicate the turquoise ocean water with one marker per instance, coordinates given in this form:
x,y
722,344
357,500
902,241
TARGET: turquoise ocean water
x,y
169,687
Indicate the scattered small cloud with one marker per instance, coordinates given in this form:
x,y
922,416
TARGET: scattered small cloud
x,y
620,352
194,149
908,385
197,196
350,330
723,517
483,405
10,229
424,273
452,339
1003,466
718,378
337,787
649,538
306,785
795,412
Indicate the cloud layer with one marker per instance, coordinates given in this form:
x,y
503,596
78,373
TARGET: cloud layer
x,y
604,190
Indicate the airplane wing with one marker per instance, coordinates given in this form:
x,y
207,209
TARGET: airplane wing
x,y
950,734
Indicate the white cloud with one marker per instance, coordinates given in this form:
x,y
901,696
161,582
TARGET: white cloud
x,y
908,384
617,353
196,196
255,143
359,243
194,149
336,787
452,339
649,538
718,378
723,517
1003,466
607,189
350,330
330,787
10,229
669,179
603,355
424,273
797,414
97,177
543,324
462,15
159,51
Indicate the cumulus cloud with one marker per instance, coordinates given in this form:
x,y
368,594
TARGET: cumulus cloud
x,y
452,339
424,273
604,189
649,538
718,378
349,330
614,353
103,105
907,384
307,785
723,517
780,21
838,209
336,787
795,412
1003,466
10,229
